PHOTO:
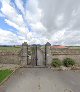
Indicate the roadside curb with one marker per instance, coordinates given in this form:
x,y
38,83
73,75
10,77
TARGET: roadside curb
x,y
64,69
9,76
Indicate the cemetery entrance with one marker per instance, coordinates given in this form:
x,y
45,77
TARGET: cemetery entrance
x,y
32,55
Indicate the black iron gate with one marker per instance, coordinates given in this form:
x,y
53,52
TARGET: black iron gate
x,y
34,55
32,51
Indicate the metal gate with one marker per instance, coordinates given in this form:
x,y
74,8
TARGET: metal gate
x,y
35,57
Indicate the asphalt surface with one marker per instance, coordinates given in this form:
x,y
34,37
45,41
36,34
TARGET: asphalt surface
x,y
40,58
42,80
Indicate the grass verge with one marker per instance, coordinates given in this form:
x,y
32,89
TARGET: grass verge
x,y
4,74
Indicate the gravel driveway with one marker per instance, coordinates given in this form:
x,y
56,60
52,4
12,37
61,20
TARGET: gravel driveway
x,y
42,80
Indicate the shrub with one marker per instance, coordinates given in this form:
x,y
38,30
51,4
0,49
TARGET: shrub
x,y
68,62
56,62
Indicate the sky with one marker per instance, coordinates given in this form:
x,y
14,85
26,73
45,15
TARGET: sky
x,y
39,22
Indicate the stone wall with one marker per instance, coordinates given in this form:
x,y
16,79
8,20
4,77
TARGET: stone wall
x,y
9,58
76,58
21,57
66,53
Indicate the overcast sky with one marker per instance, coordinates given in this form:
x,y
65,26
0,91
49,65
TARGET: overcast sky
x,y
40,21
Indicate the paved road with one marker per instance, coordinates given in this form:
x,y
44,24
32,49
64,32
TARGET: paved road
x,y
40,58
42,80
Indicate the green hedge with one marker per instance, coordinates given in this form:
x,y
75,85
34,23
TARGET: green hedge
x,y
56,62
68,62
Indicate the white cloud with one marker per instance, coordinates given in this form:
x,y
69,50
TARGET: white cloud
x,y
58,20
10,12
21,29
21,23
12,24
14,19
33,13
19,4
38,28
7,37
1,15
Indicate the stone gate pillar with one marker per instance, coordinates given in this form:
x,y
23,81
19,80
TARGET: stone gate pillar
x,y
49,55
24,53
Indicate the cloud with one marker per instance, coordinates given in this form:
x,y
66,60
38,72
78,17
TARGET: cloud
x,y
28,22
21,28
61,15
19,4
57,21
9,38
1,15
13,18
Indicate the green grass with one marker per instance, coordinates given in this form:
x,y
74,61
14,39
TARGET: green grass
x,y
10,49
4,74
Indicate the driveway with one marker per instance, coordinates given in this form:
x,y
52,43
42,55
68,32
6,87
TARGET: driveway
x,y
42,80
40,58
